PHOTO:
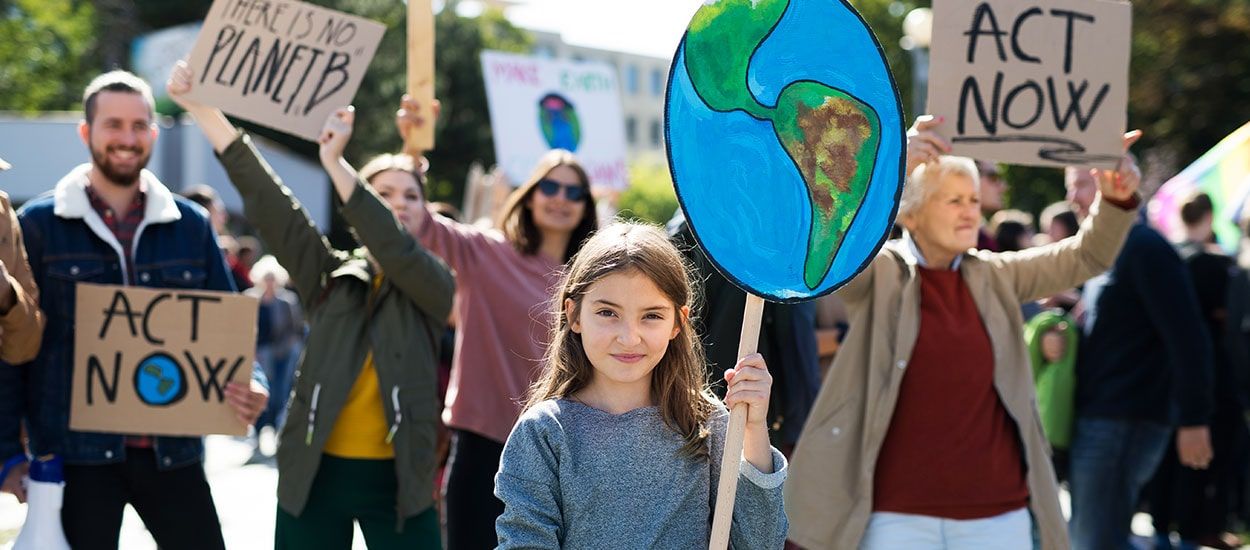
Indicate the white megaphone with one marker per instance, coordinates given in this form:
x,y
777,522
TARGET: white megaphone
x,y
45,489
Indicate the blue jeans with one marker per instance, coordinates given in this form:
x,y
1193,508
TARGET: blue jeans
x,y
1111,460
888,530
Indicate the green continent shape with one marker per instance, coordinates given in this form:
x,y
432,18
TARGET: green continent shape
x,y
832,138
163,384
576,123
721,39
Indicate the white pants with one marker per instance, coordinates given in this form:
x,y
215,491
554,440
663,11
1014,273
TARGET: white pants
x,y
890,531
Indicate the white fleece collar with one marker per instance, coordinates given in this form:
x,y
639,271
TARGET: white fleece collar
x,y
69,198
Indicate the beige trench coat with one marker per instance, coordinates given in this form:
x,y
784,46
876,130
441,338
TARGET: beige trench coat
x,y
829,490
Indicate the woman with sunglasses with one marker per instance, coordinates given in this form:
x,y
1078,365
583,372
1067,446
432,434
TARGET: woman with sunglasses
x,y
504,277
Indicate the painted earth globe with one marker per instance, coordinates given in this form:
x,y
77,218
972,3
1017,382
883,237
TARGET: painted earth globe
x,y
786,142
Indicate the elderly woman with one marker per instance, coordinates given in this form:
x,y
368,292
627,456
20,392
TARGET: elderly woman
x,y
279,335
925,433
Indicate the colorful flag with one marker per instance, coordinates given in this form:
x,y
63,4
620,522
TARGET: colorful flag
x,y
1224,174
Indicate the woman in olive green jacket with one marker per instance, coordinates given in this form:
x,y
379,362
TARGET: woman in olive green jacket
x,y
359,441
925,433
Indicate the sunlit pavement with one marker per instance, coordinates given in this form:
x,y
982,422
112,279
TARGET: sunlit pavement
x,y
246,503
245,494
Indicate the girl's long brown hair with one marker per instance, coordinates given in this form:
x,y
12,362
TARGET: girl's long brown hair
x,y
678,385
516,220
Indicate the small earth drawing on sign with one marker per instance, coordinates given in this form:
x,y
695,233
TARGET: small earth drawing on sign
x,y
560,125
159,380
787,105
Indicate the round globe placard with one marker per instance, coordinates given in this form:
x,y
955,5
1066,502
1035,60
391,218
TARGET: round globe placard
x,y
786,142
159,380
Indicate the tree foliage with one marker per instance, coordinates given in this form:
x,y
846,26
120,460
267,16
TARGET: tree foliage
x,y
885,18
45,47
650,196
1190,73
463,135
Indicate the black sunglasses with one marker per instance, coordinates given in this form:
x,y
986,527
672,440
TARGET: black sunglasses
x,y
551,188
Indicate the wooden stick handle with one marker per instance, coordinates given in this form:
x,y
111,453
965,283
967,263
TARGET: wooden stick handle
x,y
727,487
421,71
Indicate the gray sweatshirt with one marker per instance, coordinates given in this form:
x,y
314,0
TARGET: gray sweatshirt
x,y
573,476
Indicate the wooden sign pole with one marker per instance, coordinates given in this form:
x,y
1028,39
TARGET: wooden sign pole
x,y
421,71
727,488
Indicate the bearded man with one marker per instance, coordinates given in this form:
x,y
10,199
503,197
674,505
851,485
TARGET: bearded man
x,y
112,222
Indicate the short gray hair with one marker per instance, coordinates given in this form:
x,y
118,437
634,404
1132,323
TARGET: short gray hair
x,y
919,185
268,265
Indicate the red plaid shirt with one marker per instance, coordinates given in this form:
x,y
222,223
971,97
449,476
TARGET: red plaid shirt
x,y
124,228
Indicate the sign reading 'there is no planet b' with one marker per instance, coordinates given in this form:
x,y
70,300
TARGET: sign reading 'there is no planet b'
x,y
281,63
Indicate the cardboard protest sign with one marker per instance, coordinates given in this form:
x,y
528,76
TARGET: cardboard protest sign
x,y
539,104
281,63
1032,82
156,361
786,143
421,68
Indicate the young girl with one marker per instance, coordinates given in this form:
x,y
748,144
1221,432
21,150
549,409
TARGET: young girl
x,y
621,440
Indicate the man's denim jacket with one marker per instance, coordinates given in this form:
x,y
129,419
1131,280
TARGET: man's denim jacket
x,y
68,243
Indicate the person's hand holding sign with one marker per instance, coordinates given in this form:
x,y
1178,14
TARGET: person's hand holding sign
x,y
179,84
212,121
750,383
336,133
1120,184
924,143
248,401
333,139
412,116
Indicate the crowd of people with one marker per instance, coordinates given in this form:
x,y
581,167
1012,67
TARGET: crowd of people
x,y
558,380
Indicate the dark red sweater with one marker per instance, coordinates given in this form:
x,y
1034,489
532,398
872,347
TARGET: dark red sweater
x,y
951,450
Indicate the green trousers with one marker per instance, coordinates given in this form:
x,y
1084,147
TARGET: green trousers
x,y
347,490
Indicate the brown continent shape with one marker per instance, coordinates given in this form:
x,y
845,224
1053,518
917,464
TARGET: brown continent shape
x,y
820,127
